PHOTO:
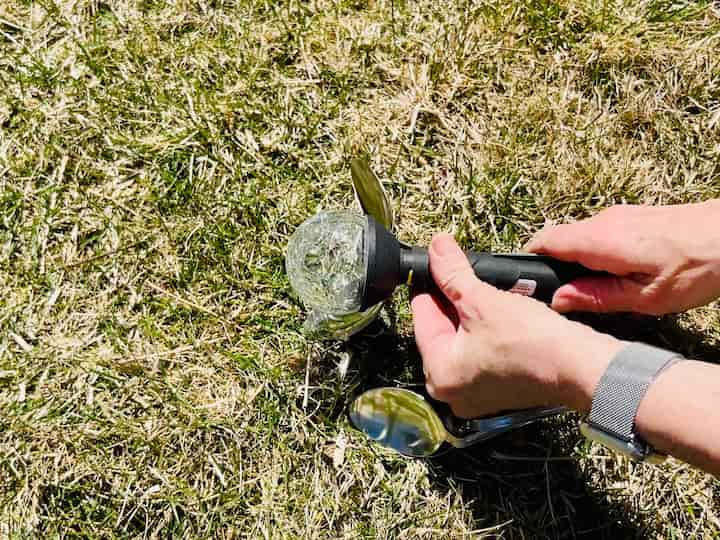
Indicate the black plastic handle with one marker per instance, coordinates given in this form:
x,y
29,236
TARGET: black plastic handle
x,y
537,276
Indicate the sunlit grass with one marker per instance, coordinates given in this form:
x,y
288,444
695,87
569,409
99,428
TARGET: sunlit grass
x,y
154,158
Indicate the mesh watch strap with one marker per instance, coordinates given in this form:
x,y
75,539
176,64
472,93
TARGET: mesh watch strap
x,y
623,385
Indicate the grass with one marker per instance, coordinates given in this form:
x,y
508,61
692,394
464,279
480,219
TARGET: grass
x,y
156,155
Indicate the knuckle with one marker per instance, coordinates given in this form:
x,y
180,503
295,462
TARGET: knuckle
x,y
611,295
651,301
544,238
538,240
442,387
437,392
503,344
432,389
452,282
470,309
596,297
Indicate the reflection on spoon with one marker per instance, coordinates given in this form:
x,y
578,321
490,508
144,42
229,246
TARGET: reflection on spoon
x,y
404,421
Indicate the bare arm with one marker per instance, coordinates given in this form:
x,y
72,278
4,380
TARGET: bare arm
x,y
486,350
679,415
665,259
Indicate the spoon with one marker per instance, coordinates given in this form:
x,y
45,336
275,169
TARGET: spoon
x,y
405,422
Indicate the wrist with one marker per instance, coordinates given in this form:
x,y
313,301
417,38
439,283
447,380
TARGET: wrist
x,y
582,370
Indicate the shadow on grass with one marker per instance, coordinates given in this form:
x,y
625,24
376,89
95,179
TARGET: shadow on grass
x,y
665,332
528,476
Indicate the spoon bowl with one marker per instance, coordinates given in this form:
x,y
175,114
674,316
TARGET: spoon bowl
x,y
404,421
399,419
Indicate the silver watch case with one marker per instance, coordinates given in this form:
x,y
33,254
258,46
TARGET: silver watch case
x,y
636,449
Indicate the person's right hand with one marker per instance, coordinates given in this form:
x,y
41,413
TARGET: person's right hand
x,y
665,259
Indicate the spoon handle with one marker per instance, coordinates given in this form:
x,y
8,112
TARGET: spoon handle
x,y
476,430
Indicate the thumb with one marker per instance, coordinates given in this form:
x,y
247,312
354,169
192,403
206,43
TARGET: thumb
x,y
599,294
452,272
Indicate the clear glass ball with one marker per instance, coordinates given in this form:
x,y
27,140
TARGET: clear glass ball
x,y
325,262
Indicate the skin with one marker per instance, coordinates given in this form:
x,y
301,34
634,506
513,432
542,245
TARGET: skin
x,y
486,350
665,259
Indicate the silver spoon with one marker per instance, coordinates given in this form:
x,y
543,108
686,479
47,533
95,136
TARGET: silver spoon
x,y
404,421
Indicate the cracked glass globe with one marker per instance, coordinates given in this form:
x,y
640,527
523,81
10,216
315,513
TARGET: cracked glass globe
x,y
325,262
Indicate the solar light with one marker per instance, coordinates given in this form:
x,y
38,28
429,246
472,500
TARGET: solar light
x,y
340,263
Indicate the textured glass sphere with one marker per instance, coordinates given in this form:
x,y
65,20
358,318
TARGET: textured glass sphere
x,y
325,262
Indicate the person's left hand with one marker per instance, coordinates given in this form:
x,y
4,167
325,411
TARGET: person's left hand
x,y
486,350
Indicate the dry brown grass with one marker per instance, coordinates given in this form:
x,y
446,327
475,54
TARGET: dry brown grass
x,y
155,156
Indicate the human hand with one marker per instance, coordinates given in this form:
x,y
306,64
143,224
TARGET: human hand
x,y
485,350
665,259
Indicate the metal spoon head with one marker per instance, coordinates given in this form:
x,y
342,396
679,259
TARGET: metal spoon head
x,y
399,419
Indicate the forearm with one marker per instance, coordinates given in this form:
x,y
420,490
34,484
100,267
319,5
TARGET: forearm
x,y
677,416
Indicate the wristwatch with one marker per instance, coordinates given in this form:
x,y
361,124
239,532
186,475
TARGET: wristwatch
x,y
611,421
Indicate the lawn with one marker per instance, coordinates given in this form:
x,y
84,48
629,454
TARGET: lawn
x,y
155,156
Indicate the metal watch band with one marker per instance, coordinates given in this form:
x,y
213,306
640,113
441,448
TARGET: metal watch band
x,y
623,386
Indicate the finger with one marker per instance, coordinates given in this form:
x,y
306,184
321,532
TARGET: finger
x,y
599,294
585,242
434,327
469,406
455,277
569,241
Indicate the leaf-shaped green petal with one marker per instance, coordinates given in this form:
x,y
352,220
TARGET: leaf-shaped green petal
x,y
369,191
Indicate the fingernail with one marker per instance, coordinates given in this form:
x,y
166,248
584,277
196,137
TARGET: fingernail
x,y
561,303
444,244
